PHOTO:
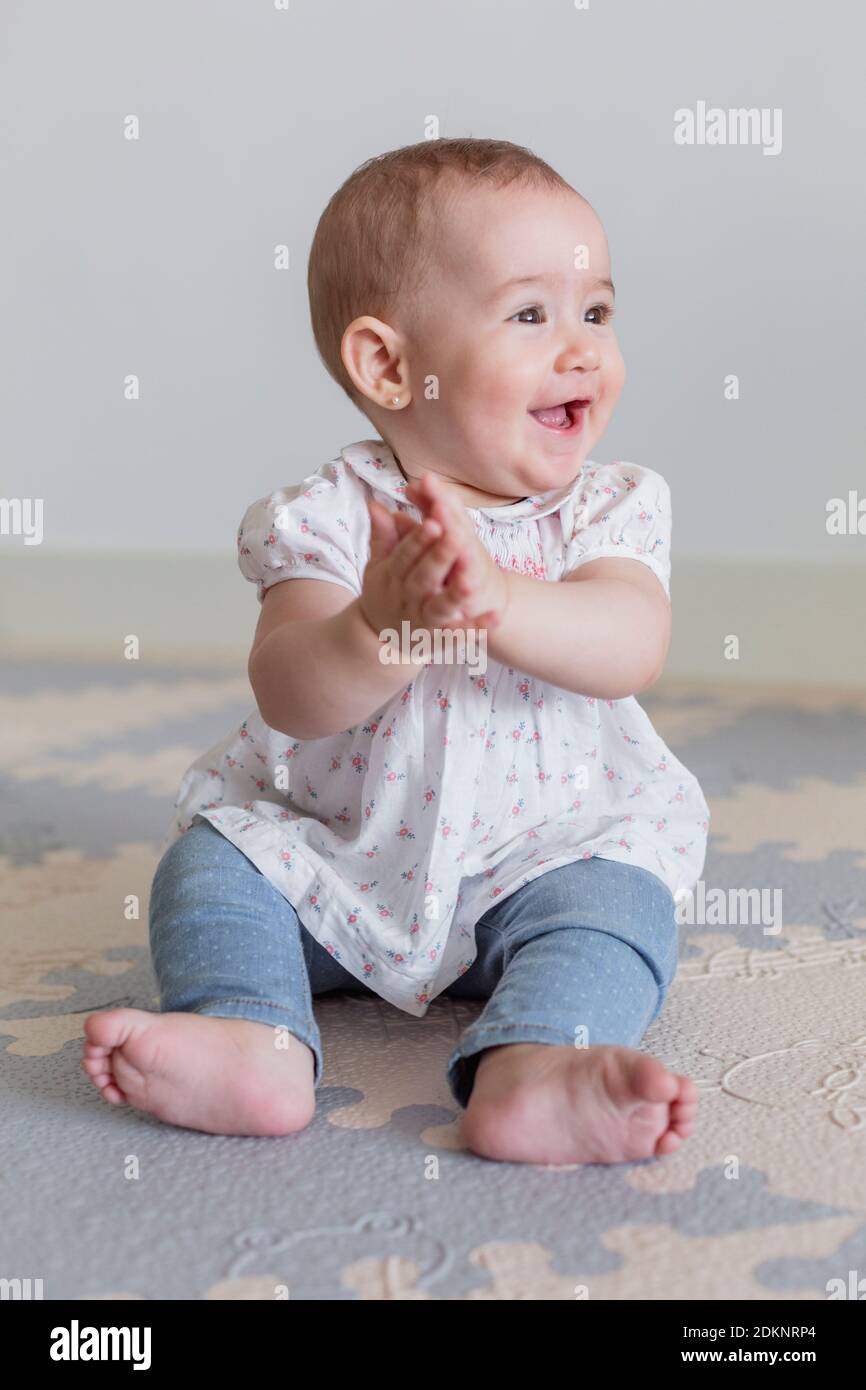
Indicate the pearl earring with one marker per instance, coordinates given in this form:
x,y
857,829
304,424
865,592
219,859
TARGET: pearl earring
x,y
396,400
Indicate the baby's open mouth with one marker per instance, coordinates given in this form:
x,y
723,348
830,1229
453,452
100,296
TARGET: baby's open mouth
x,y
564,418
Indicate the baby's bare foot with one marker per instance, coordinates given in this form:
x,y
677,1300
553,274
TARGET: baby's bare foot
x,y
220,1075
544,1103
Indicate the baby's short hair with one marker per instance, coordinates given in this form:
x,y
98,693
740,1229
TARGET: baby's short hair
x,y
371,246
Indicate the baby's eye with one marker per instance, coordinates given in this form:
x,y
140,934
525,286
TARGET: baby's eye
x,y
533,309
605,312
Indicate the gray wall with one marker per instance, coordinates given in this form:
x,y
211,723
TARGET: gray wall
x,y
156,256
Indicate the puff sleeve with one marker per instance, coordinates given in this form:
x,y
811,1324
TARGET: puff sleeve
x,y
620,510
311,530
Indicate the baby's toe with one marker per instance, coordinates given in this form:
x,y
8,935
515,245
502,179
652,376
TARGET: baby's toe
x,y
668,1143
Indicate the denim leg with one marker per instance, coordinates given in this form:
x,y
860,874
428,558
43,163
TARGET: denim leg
x,y
226,943
581,955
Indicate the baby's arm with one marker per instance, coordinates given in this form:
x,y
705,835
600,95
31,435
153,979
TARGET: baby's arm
x,y
603,631
315,665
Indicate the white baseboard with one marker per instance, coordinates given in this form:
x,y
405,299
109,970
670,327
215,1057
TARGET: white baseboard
x,y
796,624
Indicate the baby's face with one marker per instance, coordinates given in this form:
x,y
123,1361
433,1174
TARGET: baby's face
x,y
501,351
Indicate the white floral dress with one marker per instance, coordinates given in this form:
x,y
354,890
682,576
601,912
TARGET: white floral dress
x,y
393,838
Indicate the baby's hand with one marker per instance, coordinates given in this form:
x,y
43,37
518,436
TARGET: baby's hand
x,y
473,591
394,588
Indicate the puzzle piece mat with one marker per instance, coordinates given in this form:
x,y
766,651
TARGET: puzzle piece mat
x,y
379,1198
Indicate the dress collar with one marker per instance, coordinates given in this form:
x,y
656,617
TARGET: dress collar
x,y
374,461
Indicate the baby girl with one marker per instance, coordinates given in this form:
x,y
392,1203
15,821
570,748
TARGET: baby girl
x,y
516,832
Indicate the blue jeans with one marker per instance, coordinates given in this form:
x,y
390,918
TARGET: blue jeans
x,y
581,955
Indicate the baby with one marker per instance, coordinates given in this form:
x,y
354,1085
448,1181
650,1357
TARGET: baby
x,y
515,832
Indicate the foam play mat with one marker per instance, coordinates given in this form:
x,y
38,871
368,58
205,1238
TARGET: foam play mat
x,y
378,1198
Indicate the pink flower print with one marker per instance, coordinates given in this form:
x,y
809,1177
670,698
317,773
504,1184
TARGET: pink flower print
x,y
480,682
663,765
343,816
512,777
494,892
590,699
367,967
335,765
290,752
404,833
313,900
260,783
311,791
243,731
388,732
517,807
630,483
371,728
366,887
517,733
310,557
270,539
432,953
523,689
303,527
445,828
285,856
408,875
422,998
233,762
476,821
371,853
359,762
429,795
261,757
329,947
637,791
352,918
609,772
576,805
442,700
368,809
428,886
660,824
214,772
384,911
625,844
587,854
678,795
532,834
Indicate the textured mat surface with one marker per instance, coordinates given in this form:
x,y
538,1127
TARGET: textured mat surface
x,y
379,1198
